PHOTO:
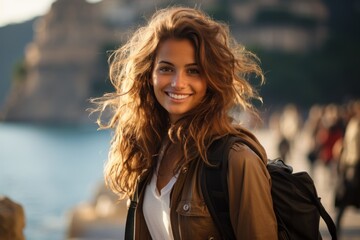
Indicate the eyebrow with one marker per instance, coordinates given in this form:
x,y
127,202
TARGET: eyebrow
x,y
169,63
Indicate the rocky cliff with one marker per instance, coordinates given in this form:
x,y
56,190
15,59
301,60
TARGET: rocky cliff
x,y
62,64
14,38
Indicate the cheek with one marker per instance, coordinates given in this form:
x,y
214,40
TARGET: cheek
x,y
155,80
159,82
152,80
203,87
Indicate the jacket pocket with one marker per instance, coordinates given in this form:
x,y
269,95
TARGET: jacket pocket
x,y
192,209
195,221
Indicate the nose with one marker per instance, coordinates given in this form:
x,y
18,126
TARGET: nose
x,y
179,80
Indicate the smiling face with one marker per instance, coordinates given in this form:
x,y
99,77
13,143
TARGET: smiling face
x,y
176,78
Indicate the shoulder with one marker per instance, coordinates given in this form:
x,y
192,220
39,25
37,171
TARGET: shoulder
x,y
242,158
241,152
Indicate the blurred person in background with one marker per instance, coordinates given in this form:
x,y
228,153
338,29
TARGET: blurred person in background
x,y
176,81
329,131
289,125
311,128
348,187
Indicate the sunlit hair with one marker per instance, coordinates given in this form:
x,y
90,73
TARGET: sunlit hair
x,y
139,121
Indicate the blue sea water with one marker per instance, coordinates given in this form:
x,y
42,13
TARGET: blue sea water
x,y
50,170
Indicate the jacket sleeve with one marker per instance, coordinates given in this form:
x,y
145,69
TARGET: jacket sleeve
x,y
251,207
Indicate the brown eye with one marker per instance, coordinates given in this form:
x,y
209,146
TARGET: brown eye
x,y
193,71
165,69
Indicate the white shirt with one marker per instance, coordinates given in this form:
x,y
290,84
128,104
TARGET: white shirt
x,y
156,209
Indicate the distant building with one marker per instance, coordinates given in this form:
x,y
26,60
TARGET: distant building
x,y
293,26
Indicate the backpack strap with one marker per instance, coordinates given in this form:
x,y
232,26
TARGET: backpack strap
x,y
130,220
130,217
328,220
213,182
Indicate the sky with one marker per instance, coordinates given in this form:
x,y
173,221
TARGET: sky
x,y
16,11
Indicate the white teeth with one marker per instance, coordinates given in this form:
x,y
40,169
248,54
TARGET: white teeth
x,y
177,96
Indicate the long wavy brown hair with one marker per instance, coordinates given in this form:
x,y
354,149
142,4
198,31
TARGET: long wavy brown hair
x,y
140,123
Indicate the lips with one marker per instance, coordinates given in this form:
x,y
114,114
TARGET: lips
x,y
177,96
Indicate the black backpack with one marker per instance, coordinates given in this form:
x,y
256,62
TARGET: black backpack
x,y
296,204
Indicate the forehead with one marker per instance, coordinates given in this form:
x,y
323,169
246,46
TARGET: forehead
x,y
176,48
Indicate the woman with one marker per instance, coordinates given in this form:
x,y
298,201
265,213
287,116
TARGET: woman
x,y
176,81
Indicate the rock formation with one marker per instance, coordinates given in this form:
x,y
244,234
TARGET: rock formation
x,y
62,64
102,218
12,220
